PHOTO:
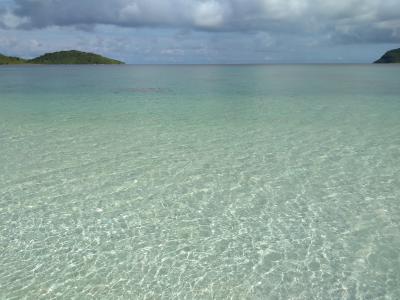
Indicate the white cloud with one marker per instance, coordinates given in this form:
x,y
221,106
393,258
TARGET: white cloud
x,y
10,20
209,14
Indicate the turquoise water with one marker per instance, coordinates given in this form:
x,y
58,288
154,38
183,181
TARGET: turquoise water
x,y
205,182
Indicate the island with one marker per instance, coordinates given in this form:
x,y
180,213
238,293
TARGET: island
x,y
71,57
11,60
390,57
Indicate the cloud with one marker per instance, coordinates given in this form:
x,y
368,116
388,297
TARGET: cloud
x,y
202,30
10,20
210,14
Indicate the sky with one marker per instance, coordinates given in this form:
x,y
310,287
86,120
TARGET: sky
x,y
204,31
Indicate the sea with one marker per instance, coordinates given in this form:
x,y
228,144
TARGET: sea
x,y
200,182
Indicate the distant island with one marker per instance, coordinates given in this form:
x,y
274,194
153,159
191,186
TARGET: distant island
x,y
11,60
390,57
71,57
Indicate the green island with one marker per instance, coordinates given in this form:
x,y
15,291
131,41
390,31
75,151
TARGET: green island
x,y
72,57
390,57
11,60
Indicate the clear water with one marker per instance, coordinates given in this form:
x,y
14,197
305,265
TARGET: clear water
x,y
206,182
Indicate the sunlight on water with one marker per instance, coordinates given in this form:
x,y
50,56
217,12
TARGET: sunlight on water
x,y
208,182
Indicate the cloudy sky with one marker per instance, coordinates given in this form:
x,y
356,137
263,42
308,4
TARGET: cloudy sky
x,y
204,31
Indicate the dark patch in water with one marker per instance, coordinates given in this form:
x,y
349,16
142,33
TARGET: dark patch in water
x,y
148,90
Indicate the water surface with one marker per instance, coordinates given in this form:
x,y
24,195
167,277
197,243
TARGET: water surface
x,y
206,182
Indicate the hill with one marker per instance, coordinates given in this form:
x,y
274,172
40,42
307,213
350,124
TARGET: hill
x,y
390,57
10,60
71,57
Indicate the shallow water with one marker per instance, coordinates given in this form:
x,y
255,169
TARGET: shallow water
x,y
223,182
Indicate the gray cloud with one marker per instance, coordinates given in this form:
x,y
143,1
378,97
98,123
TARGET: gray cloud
x,y
343,20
